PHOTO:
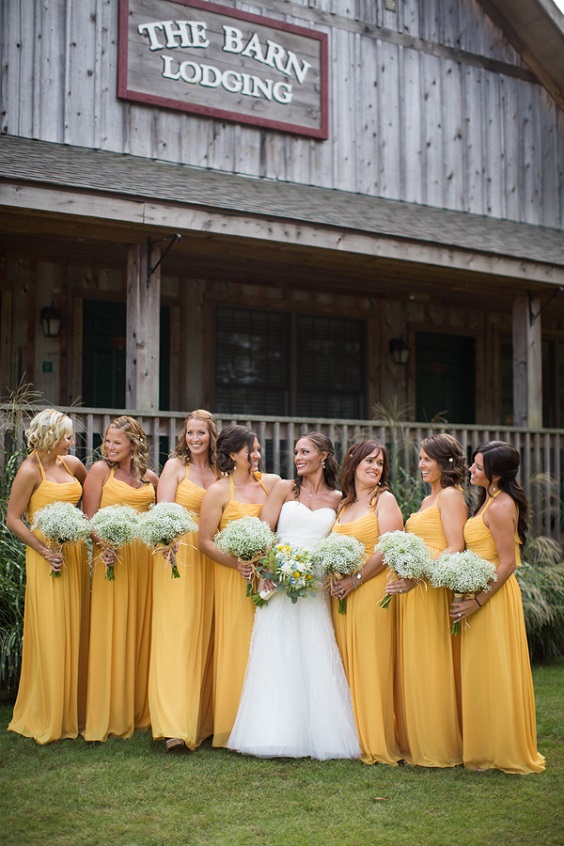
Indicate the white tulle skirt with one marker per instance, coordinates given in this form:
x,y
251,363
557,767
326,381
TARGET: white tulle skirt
x,y
296,701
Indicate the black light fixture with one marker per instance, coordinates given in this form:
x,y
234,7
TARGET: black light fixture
x,y
50,321
399,351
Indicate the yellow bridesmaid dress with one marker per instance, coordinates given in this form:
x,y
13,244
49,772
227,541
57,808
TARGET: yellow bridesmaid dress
x,y
233,615
180,683
51,697
365,635
498,700
426,701
120,630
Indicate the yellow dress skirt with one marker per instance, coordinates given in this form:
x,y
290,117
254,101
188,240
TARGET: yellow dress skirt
x,y
233,625
498,700
51,697
120,630
180,681
365,636
426,701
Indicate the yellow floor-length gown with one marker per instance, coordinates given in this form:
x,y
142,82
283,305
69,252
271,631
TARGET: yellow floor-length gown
x,y
426,702
498,701
365,635
180,682
51,697
233,623
120,630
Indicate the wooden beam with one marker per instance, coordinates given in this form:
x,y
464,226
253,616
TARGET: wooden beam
x,y
527,363
143,329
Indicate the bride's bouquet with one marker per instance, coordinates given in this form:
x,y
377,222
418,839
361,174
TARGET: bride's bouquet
x,y
115,526
292,570
60,523
336,556
406,557
465,573
161,527
248,539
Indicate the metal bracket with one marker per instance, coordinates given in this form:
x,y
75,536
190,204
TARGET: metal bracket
x,y
172,239
533,317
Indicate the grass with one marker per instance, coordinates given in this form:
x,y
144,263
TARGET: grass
x,y
134,793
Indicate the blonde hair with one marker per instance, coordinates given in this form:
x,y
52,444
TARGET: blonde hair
x,y
138,440
47,428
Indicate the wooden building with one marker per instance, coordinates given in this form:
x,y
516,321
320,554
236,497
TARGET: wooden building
x,y
369,196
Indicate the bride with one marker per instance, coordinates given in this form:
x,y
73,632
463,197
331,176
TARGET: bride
x,y
296,701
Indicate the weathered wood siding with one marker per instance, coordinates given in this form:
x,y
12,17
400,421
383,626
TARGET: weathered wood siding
x,y
428,104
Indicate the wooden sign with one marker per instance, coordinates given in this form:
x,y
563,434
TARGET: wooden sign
x,y
204,58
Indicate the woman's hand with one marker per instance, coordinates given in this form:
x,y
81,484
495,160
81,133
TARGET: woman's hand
x,y
246,570
109,557
400,586
462,608
54,559
341,588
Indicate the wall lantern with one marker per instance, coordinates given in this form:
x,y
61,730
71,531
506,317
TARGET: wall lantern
x,y
399,351
50,321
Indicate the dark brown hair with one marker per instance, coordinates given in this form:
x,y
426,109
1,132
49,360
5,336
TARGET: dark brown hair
x,y
449,455
331,469
355,454
503,460
232,439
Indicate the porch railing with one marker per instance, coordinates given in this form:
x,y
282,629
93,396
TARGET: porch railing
x,y
542,453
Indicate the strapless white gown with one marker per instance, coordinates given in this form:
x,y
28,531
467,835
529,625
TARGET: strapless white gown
x,y
296,700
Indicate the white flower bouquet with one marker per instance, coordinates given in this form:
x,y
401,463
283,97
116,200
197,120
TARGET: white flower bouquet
x,y
465,573
406,556
291,569
162,526
115,526
248,539
60,523
337,556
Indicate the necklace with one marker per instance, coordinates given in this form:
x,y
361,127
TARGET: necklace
x,y
311,495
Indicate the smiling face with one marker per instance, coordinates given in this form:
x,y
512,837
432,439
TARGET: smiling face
x,y
64,444
369,471
430,470
245,461
197,436
307,457
477,475
117,446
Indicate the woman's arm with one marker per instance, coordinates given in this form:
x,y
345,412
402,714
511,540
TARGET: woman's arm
x,y
502,523
95,480
172,475
454,515
77,468
27,479
389,520
213,504
279,493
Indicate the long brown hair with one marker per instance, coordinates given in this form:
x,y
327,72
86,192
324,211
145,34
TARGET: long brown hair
x,y
354,455
503,460
331,469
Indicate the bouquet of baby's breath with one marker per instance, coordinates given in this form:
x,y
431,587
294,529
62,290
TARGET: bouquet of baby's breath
x,y
115,526
60,523
248,539
337,556
405,555
465,573
161,527
291,569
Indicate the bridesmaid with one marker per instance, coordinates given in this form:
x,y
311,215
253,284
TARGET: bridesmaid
x,y
426,702
120,626
180,691
498,702
365,633
51,698
241,492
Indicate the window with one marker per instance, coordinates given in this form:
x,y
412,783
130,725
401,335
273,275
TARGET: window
x,y
269,363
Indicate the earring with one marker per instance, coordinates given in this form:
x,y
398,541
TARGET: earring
x,y
323,463
234,465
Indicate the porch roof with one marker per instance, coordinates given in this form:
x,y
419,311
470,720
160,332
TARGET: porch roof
x,y
27,161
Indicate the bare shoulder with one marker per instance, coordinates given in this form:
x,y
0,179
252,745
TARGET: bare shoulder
x,y
151,477
99,471
28,473
451,494
336,497
503,508
218,491
269,480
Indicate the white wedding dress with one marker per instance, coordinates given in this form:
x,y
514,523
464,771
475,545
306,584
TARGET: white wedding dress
x,y
296,700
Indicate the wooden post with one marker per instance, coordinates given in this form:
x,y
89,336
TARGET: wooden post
x,y
527,363
143,330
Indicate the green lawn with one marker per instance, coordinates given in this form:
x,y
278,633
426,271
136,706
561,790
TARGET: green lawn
x,y
134,793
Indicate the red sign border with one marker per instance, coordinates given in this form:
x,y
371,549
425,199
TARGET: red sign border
x,y
124,93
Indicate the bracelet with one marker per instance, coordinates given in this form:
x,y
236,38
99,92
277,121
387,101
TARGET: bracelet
x,y
353,582
356,579
479,603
